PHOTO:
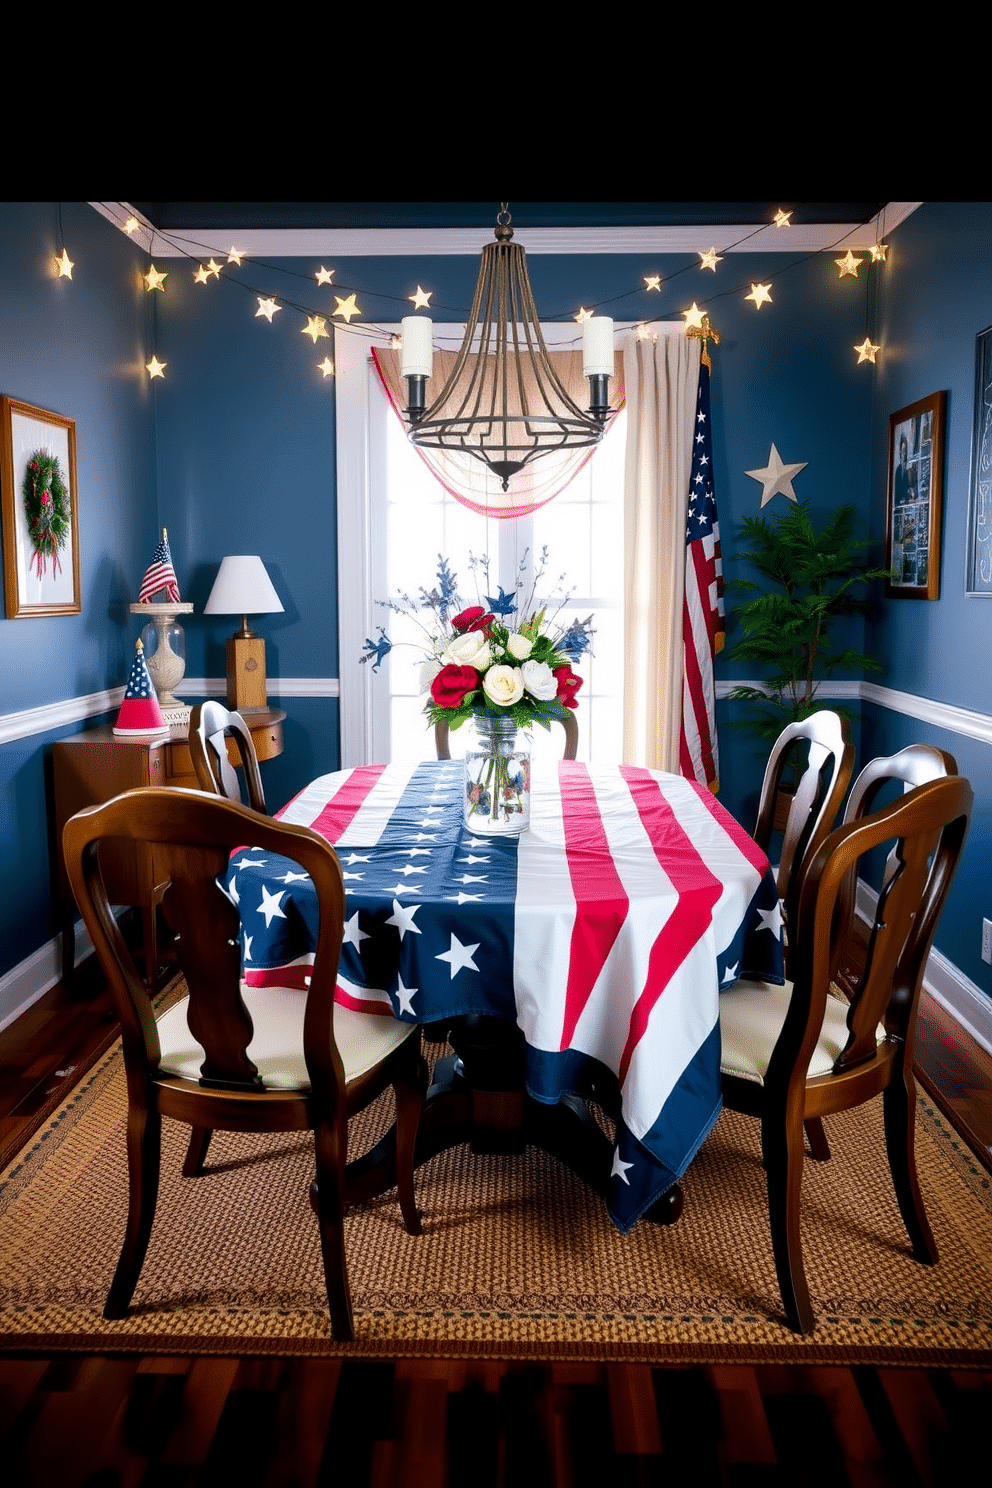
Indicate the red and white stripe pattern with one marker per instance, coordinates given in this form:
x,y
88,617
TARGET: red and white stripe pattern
x,y
703,624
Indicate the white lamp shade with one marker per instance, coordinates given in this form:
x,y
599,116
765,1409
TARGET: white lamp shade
x,y
242,587
417,350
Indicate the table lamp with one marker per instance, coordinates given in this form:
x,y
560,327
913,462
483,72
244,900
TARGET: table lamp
x,y
242,587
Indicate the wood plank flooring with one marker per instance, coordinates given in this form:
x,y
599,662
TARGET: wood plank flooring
x,y
111,1422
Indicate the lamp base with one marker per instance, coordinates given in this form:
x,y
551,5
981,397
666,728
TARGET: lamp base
x,y
246,673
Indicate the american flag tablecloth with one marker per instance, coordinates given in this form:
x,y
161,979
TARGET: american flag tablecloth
x,y
605,931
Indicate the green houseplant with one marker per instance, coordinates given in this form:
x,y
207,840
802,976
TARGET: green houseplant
x,y
808,577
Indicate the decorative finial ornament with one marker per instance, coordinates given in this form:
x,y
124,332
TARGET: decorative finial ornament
x,y
776,477
704,332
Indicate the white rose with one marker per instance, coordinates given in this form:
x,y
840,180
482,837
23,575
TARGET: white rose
x,y
503,685
428,671
539,680
519,646
469,649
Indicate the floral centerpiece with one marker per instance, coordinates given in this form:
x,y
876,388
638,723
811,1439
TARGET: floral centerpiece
x,y
503,664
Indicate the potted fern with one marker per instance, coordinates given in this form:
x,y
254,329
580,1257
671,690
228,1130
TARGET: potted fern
x,y
808,579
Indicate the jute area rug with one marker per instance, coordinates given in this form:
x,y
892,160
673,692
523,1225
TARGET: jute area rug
x,y
517,1258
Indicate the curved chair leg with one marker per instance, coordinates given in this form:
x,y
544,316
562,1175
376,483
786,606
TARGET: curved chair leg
x,y
196,1152
409,1090
782,1150
899,1108
144,1134
817,1138
330,1144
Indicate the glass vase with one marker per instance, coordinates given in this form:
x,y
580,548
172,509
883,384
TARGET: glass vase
x,y
497,778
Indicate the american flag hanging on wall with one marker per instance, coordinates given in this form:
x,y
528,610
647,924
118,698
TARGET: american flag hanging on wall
x,y
703,624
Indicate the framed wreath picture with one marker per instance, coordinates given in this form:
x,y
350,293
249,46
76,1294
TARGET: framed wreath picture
x,y
914,499
40,533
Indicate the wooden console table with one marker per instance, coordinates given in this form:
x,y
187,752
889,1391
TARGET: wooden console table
x,y
96,765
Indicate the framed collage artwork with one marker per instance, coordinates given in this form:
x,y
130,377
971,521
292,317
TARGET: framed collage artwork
x,y
914,499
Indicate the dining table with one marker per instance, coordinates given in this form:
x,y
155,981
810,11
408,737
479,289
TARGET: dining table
x,y
576,967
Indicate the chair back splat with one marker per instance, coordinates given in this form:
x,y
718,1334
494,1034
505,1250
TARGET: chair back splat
x,y
825,737
796,1054
227,1056
211,727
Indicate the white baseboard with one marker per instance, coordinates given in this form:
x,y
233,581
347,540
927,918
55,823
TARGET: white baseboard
x,y
36,974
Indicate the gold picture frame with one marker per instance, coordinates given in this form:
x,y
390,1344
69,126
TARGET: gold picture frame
x,y
914,498
36,583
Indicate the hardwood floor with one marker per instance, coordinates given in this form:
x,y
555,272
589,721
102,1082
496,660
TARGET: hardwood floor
x,y
101,1421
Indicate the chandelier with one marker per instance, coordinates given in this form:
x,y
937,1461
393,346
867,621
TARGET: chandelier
x,y
503,403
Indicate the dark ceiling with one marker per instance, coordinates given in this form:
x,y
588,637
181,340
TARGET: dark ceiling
x,y
176,216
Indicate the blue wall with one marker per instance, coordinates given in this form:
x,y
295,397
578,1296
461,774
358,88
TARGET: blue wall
x,y
235,451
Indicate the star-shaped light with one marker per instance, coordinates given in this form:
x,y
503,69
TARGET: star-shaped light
x,y
422,299
402,918
326,366
694,317
155,279
771,919
200,274
867,351
352,934
849,264
315,327
459,956
782,218
236,255
619,1168
131,225
645,333
710,259
878,252
155,368
405,996
266,307
64,266
346,308
583,314
776,477
652,281
324,276
761,294
213,267
269,906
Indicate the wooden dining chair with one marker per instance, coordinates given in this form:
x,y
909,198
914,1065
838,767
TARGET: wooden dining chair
x,y
569,724
228,1057
821,745
210,728
794,1053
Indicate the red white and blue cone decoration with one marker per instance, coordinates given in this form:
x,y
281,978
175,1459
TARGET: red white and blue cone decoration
x,y
140,713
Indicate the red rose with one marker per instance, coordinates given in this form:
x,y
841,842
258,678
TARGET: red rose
x,y
452,684
484,623
568,686
465,621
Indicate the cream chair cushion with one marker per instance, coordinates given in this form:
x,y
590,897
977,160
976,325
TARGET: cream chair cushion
x,y
751,1018
363,1039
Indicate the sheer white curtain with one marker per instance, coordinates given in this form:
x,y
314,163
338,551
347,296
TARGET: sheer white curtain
x,y
661,377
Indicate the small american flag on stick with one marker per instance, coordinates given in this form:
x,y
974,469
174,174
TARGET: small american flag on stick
x,y
160,574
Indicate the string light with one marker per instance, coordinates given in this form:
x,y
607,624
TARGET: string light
x,y
201,275
155,368
266,307
63,266
422,299
131,225
761,294
710,259
326,366
324,276
583,315
782,218
878,252
155,279
849,264
346,308
315,327
236,255
694,317
652,281
867,351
